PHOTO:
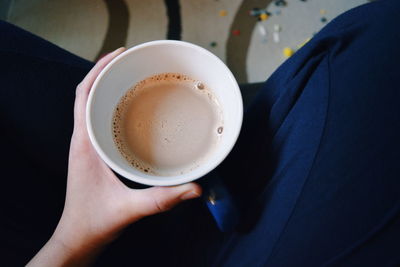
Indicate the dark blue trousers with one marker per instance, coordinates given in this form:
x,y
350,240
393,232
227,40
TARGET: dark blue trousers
x,y
315,172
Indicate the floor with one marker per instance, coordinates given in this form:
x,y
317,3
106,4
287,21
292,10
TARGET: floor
x,y
248,44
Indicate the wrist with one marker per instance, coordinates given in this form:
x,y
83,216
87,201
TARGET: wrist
x,y
68,246
57,253
73,254
74,240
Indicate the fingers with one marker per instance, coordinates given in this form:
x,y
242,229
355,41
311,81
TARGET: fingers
x,y
82,91
158,199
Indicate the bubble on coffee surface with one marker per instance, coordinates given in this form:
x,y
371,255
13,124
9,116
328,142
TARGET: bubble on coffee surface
x,y
118,136
200,86
124,103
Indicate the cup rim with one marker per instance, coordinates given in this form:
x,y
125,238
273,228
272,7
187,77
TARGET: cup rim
x,y
146,178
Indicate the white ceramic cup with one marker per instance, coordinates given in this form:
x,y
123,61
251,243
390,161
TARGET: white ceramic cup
x,y
141,62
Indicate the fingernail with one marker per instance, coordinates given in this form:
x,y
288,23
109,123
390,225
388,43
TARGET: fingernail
x,y
190,195
112,52
118,50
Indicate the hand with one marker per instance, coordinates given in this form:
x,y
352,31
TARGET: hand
x,y
98,205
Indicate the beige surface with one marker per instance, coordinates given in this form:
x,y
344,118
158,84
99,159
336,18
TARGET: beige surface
x,y
80,25
148,21
298,21
75,25
202,23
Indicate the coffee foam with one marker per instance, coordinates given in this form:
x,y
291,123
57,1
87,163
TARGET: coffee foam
x,y
122,112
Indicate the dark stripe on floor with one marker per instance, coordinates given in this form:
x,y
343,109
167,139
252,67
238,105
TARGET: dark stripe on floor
x,y
237,46
118,24
174,19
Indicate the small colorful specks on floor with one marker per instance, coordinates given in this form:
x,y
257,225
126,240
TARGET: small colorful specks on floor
x,y
252,37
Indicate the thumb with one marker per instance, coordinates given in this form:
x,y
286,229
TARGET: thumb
x,y
158,199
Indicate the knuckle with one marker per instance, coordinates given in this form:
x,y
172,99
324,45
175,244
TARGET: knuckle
x,y
78,88
79,146
162,204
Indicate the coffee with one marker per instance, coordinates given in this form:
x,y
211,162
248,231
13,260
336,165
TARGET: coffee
x,y
167,124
